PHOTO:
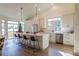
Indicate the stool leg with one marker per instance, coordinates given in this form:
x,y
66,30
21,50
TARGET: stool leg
x,y
34,44
19,41
38,45
26,43
30,43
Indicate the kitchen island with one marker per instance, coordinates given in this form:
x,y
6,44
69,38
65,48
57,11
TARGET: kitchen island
x,y
43,39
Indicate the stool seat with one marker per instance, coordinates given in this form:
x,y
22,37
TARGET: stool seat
x,y
33,38
15,35
24,36
20,36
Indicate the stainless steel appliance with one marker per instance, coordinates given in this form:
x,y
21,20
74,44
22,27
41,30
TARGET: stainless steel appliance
x,y
59,38
35,28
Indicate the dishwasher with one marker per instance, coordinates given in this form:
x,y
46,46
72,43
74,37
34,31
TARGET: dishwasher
x,y
59,38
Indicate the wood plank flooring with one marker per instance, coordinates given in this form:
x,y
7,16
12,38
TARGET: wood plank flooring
x,y
11,48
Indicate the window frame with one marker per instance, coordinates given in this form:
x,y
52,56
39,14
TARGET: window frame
x,y
54,26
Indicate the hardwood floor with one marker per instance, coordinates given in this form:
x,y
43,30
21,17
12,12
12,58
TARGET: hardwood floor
x,y
11,48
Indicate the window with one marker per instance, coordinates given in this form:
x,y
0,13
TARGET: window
x,y
3,27
12,26
54,24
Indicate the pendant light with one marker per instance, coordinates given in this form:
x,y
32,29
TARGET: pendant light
x,y
36,13
20,25
21,14
35,25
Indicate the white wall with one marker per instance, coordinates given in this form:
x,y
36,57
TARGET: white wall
x,y
67,22
76,27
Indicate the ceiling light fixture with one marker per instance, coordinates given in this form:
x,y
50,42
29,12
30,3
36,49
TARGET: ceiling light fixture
x,y
36,12
21,13
20,24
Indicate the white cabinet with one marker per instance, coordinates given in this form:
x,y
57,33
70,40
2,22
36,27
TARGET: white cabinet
x,y
43,41
52,38
68,39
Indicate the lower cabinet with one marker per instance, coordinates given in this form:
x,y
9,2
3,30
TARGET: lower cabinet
x,y
68,39
52,38
65,38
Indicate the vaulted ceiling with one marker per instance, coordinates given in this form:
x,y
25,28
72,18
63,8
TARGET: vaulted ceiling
x,y
12,10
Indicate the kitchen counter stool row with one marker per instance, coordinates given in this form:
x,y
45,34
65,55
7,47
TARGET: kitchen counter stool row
x,y
28,41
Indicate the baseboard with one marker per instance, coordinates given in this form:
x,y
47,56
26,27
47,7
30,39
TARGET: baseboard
x,y
69,45
62,44
52,42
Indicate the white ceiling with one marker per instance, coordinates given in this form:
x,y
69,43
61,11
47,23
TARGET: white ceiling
x,y
61,9
12,10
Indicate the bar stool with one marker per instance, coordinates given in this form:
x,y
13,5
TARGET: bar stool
x,y
1,43
15,35
20,38
32,38
25,40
